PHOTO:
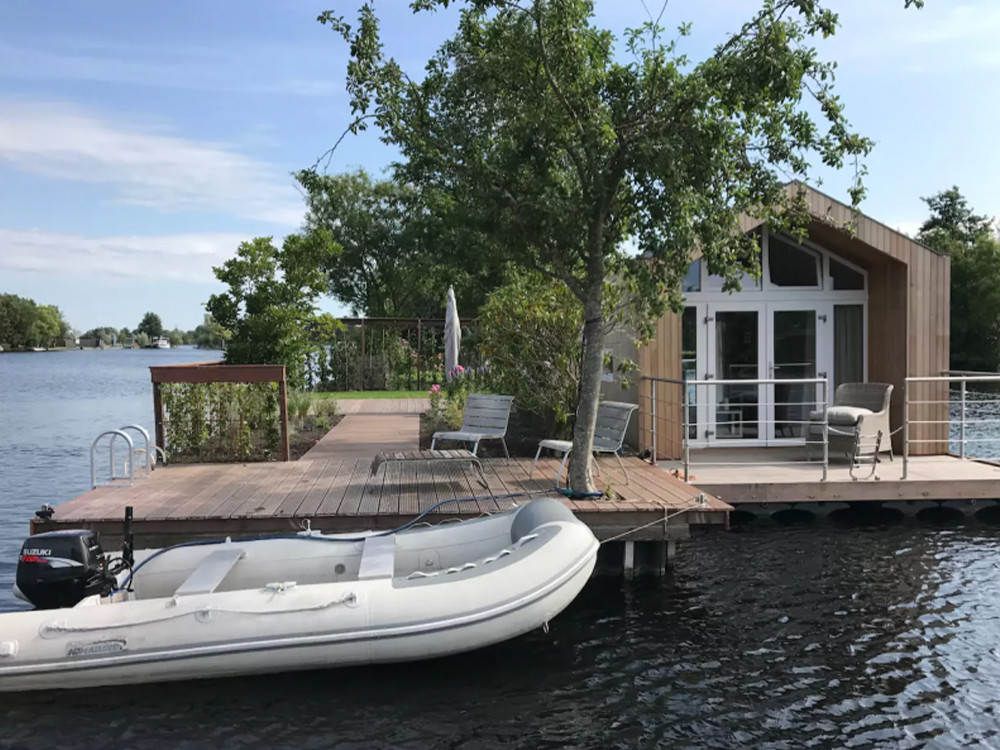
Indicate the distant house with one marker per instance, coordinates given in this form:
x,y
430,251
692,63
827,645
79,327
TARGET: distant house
x,y
869,306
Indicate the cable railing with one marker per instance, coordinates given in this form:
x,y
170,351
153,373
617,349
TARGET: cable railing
x,y
959,410
728,413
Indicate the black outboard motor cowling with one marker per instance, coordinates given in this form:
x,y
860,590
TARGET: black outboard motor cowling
x,y
60,568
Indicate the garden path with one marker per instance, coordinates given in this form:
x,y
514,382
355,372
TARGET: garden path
x,y
371,426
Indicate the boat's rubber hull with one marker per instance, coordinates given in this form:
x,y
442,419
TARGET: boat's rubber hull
x,y
303,627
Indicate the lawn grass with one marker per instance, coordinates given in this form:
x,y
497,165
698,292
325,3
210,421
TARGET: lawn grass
x,y
371,394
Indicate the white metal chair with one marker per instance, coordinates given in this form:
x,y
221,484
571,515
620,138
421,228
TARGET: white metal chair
x,y
485,418
609,435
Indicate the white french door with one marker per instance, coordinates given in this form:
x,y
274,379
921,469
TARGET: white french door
x,y
751,342
799,347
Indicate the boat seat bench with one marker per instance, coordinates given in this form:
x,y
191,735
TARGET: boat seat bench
x,y
211,572
378,557
437,456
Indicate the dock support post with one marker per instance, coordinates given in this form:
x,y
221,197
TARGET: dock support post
x,y
629,561
286,454
652,418
158,432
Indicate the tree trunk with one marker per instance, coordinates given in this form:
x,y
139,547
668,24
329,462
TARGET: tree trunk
x,y
580,479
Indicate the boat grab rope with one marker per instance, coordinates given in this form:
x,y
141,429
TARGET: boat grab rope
x,y
338,539
202,614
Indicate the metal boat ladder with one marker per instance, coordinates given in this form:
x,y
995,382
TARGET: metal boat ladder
x,y
138,461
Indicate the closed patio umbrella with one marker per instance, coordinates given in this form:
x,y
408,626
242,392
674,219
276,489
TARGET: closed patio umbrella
x,y
452,335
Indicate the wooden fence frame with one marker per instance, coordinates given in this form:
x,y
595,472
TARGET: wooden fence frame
x,y
219,372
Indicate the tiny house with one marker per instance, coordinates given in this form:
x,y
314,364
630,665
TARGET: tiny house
x,y
870,305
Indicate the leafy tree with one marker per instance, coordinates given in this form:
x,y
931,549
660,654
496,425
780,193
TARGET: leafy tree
x,y
271,299
176,337
106,335
17,315
141,340
124,335
49,328
211,335
536,135
952,220
974,246
151,325
396,254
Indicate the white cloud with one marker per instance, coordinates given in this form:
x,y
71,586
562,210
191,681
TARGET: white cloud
x,y
144,168
177,257
198,69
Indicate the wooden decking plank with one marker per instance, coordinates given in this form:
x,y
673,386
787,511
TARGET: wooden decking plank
x,y
351,501
198,486
298,473
325,496
242,476
409,493
662,487
297,495
110,502
227,482
377,486
244,502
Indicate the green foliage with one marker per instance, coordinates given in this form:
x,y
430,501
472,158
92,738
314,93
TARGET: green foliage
x,y
141,340
24,324
105,335
210,334
974,246
397,254
530,332
176,337
299,404
151,325
216,422
526,128
270,305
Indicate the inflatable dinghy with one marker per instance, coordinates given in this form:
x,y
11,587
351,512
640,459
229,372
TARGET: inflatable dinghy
x,y
304,601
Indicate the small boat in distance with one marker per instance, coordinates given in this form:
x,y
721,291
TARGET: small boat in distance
x,y
285,603
160,342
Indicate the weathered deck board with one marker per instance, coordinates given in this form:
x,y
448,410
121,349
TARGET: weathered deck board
x,y
342,495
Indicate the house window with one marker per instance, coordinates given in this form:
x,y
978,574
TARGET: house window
x,y
789,265
848,344
692,279
845,278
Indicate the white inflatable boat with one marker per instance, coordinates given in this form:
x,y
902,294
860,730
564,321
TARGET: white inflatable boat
x,y
305,601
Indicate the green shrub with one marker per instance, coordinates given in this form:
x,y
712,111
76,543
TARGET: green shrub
x,y
530,330
220,421
300,403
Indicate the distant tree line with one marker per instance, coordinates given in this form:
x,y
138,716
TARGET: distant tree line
x,y
24,324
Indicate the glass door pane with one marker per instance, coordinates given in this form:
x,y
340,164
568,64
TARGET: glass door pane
x,y
737,357
689,365
793,357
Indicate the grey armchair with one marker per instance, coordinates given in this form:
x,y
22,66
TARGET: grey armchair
x,y
859,413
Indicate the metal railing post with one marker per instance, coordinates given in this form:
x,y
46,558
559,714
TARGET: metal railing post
x,y
652,418
826,430
686,429
906,425
961,425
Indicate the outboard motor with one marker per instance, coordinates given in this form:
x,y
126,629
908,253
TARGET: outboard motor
x,y
60,568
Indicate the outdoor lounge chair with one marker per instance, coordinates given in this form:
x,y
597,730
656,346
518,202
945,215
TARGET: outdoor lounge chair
x,y
860,412
485,418
609,435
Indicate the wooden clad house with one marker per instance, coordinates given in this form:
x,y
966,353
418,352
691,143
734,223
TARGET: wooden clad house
x,y
869,306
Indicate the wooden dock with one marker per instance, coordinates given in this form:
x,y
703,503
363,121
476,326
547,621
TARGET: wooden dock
x,y
337,494
779,475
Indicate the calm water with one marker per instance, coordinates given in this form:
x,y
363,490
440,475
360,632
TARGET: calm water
x,y
767,637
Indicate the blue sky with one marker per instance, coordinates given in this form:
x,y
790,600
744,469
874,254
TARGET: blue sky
x,y
140,143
